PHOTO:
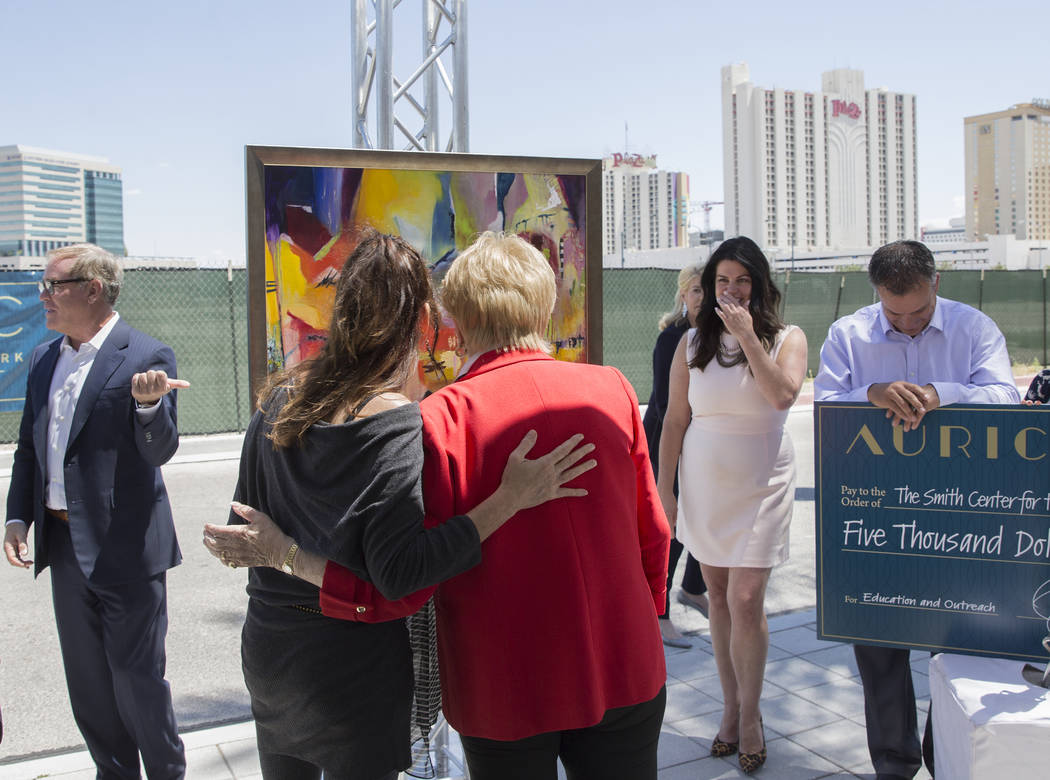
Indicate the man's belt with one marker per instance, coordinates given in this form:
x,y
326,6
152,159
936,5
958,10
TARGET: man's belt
x,y
58,514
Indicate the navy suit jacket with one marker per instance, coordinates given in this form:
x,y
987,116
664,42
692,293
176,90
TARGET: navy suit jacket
x,y
119,517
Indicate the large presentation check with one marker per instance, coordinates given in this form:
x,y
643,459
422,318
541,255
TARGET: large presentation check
x,y
935,539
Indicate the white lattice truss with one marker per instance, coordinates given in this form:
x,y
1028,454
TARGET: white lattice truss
x,y
444,38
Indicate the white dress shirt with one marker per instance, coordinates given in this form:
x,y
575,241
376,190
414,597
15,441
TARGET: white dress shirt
x,y
71,370
961,352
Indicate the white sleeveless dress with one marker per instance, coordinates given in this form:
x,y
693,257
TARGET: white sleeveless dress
x,y
736,476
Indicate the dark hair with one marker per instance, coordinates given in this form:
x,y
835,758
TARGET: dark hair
x,y
901,266
765,300
374,333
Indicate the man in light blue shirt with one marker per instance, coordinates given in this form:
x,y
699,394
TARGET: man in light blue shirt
x,y
908,354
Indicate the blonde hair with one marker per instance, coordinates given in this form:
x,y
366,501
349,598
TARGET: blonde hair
x,y
500,291
93,262
685,276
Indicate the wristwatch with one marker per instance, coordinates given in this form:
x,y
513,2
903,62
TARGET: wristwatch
x,y
286,567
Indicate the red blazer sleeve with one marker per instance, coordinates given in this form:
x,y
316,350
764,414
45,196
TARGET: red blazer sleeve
x,y
344,595
654,534
347,597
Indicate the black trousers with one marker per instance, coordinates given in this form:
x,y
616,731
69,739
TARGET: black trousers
x,y
112,641
278,767
692,579
622,746
889,712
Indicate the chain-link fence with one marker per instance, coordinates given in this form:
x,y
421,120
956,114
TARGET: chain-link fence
x,y
634,300
202,314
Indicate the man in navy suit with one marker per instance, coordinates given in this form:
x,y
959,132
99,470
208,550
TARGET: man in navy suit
x,y
98,422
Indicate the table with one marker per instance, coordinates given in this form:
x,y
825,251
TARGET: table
x,y
988,722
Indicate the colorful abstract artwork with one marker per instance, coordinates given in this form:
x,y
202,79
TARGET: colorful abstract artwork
x,y
312,214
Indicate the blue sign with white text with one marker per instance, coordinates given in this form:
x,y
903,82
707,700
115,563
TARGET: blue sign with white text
x,y
935,539
21,329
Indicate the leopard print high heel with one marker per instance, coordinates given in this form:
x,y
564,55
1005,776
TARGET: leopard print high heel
x,y
750,762
722,749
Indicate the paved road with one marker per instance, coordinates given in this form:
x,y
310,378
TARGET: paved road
x,y
206,606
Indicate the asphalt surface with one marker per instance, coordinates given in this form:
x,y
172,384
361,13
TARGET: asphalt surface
x,y
206,603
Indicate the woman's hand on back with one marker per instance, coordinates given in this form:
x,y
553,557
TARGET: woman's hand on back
x,y
528,483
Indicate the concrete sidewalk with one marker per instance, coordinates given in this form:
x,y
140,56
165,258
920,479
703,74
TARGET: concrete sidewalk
x,y
813,709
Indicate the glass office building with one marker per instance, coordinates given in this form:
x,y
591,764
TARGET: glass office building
x,y
49,199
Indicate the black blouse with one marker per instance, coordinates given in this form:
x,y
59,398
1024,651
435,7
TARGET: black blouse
x,y
663,356
352,493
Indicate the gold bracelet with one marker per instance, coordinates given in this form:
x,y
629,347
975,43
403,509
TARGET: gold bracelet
x,y
286,567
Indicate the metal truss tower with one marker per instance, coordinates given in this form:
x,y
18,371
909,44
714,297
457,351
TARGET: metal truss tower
x,y
429,86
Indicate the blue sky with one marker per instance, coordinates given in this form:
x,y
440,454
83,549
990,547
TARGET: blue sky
x,y
172,92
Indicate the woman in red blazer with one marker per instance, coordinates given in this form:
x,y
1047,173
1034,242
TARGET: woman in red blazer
x,y
550,647
558,625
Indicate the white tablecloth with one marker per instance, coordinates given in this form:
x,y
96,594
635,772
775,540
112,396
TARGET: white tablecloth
x,y
988,723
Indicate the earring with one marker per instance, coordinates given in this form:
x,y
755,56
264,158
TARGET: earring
x,y
685,309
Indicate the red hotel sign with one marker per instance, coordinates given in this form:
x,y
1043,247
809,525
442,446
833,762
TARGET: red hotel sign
x,y
634,160
852,110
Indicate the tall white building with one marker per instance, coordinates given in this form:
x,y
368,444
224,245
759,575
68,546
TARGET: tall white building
x,y
1008,172
643,207
49,199
833,169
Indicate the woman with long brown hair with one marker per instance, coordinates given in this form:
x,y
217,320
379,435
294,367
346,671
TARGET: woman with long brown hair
x,y
733,379
334,456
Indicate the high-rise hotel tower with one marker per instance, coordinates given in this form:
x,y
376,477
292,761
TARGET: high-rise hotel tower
x,y
643,207
833,169
1008,172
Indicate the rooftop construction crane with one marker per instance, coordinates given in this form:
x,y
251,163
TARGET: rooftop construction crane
x,y
707,205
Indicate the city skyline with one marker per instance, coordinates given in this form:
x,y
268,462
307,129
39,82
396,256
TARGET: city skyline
x,y
172,94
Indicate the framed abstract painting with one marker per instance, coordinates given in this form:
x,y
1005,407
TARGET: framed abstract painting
x,y
307,207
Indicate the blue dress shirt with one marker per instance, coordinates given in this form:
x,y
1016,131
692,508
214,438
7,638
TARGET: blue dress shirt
x,y
961,352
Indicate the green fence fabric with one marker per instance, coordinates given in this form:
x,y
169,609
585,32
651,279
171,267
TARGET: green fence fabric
x,y
634,300
202,314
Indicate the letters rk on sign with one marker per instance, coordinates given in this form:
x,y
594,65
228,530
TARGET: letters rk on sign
x,y
938,538
21,328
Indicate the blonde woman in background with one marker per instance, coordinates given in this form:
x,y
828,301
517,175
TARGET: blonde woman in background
x,y
673,325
